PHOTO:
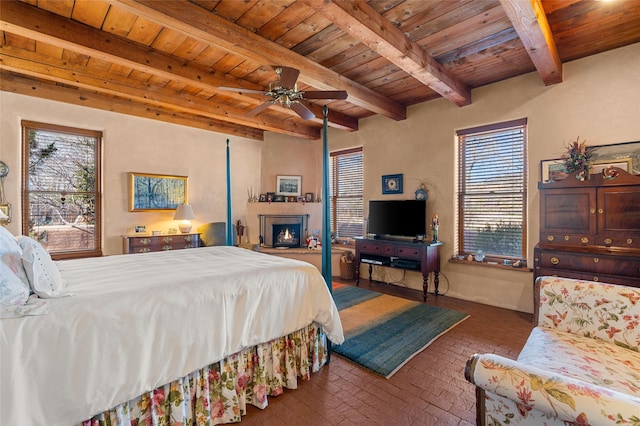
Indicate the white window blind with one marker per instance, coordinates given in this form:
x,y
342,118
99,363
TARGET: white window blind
x,y
492,190
346,188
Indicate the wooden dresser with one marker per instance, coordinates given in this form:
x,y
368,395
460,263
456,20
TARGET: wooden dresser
x,y
147,243
590,229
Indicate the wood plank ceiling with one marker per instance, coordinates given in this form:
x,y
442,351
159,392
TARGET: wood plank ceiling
x,y
166,60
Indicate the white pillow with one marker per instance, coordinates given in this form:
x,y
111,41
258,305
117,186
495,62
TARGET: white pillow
x,y
14,289
43,274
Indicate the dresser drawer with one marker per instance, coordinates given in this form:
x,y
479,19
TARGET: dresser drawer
x,y
572,239
408,252
145,244
370,248
590,263
630,241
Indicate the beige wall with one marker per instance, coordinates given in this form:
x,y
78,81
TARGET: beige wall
x,y
138,145
598,101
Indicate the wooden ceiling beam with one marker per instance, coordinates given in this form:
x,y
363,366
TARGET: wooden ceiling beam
x,y
61,71
531,24
28,21
365,24
45,90
191,19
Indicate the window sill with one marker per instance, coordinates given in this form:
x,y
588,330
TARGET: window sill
x,y
490,265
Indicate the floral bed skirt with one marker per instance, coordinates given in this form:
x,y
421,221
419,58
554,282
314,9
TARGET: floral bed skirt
x,y
220,392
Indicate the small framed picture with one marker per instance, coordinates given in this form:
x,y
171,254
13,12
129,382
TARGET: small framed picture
x,y
308,197
552,170
140,229
262,198
288,185
172,231
278,198
270,196
392,184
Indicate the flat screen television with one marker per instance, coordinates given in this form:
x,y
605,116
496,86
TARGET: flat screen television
x,y
405,218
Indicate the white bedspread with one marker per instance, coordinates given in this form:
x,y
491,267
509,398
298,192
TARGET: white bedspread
x,y
138,321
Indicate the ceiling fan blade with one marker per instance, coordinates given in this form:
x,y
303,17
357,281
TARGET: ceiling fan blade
x,y
258,109
238,89
302,111
325,94
288,77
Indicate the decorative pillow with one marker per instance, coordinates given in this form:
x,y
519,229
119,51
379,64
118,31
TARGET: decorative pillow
x,y
13,292
14,289
44,276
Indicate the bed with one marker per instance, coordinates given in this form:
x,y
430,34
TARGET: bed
x,y
179,337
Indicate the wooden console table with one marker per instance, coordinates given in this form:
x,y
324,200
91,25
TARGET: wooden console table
x,y
403,255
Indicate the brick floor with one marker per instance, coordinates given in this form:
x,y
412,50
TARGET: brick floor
x,y
429,390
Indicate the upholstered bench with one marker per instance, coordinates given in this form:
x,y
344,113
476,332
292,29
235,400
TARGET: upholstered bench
x,y
580,364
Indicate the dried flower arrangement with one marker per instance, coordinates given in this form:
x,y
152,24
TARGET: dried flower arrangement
x,y
578,156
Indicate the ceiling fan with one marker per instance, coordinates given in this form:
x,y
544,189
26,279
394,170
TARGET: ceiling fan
x,y
284,91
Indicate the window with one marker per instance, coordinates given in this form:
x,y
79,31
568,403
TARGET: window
x,y
346,187
62,189
492,190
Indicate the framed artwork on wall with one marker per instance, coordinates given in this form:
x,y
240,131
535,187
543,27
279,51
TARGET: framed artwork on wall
x,y
552,170
288,185
151,192
392,184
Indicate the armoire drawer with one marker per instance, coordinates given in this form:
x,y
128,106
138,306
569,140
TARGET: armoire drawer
x,y
590,263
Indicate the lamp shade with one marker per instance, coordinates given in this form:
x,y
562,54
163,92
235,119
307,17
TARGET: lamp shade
x,y
184,213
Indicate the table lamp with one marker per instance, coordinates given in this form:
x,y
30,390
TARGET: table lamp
x,y
184,212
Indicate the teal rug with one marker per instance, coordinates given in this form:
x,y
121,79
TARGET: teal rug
x,y
382,332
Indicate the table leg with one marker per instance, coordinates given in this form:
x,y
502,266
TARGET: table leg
x,y
370,271
425,286
436,281
357,273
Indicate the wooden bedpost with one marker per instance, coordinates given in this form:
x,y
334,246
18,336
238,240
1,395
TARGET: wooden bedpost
x,y
326,214
229,224
326,221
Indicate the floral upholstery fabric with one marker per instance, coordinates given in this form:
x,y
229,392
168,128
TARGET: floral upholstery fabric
x,y
220,392
580,365
596,310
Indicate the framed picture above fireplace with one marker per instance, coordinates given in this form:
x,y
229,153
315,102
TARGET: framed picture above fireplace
x,y
288,185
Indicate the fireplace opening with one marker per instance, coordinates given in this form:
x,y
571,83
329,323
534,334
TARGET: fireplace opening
x,y
283,230
286,235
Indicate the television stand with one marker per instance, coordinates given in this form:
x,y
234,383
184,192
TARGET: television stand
x,y
423,257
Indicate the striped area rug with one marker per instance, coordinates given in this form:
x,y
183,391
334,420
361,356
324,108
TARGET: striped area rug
x,y
382,332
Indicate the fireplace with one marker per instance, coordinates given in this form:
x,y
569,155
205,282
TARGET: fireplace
x,y
283,230
286,235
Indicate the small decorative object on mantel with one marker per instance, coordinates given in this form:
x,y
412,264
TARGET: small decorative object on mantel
x,y
578,157
435,225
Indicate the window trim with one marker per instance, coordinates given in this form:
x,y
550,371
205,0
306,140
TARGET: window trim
x,y
33,125
333,200
460,195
